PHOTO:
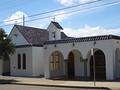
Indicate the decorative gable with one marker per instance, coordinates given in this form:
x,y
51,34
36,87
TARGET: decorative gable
x,y
17,38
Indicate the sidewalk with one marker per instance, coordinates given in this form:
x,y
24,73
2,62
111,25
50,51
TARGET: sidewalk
x,y
58,83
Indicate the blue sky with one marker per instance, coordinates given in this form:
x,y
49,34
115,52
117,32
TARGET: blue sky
x,y
97,18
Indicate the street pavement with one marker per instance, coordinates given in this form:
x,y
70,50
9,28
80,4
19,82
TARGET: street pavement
x,y
114,85
25,87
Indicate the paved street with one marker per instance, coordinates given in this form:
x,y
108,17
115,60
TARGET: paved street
x,y
23,87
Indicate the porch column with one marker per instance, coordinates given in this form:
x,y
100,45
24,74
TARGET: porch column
x,y
110,66
66,68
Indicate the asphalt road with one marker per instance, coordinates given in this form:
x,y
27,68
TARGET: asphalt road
x,y
23,87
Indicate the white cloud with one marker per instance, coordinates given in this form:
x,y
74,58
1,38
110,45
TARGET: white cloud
x,y
86,1
15,18
90,31
70,2
60,16
67,2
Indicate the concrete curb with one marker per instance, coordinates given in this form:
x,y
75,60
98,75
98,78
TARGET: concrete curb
x,y
82,87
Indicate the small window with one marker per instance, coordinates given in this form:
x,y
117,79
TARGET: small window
x,y
24,61
19,61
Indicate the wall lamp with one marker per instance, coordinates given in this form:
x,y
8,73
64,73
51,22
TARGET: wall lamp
x,y
45,47
94,43
73,44
55,45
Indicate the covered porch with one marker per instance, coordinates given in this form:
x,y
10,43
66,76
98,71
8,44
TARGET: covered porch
x,y
77,68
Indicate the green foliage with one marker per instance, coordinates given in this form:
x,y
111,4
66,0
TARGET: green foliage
x,y
6,45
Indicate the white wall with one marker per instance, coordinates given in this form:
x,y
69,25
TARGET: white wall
x,y
79,66
52,28
46,65
14,62
38,61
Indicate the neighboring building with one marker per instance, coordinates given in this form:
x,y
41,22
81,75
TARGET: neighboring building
x,y
51,53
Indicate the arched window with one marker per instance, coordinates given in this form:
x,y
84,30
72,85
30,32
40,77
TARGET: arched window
x,y
19,61
55,61
24,61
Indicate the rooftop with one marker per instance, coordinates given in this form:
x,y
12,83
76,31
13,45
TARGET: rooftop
x,y
83,39
36,36
57,25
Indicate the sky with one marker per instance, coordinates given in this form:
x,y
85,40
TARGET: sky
x,y
79,18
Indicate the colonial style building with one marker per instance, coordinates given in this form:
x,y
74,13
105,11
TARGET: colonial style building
x,y
51,53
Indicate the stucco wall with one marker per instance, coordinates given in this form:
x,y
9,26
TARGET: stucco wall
x,y
52,28
79,66
38,59
14,62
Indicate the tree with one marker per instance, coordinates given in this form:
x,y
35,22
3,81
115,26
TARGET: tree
x,y
6,46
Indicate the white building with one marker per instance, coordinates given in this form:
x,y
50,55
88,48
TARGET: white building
x,y
51,53
28,59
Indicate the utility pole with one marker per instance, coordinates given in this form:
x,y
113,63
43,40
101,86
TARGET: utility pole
x,y
92,53
23,20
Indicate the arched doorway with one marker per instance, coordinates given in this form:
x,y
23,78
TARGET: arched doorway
x,y
117,63
71,67
100,66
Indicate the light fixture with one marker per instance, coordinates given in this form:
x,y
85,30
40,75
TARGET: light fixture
x,y
55,45
117,42
45,47
94,43
81,60
73,44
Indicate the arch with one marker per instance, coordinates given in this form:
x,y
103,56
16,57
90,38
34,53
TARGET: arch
x,y
75,51
71,66
75,66
100,64
56,64
54,60
117,62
